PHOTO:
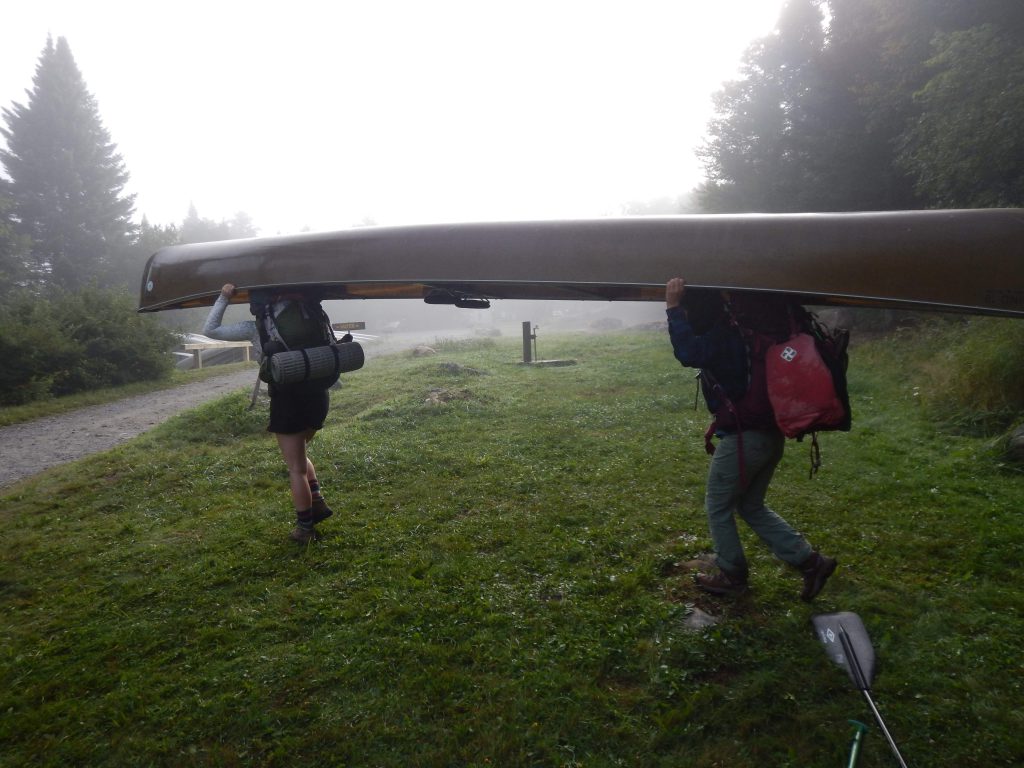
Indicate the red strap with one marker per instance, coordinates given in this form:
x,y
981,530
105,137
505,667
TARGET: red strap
x,y
729,406
710,448
708,445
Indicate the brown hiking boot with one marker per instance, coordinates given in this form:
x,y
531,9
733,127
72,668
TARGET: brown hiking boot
x,y
720,583
815,570
303,535
320,510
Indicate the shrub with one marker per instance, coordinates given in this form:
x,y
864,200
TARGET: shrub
x,y
32,348
73,342
978,374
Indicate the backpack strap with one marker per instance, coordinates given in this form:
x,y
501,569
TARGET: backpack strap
x,y
709,446
272,332
815,456
259,311
329,336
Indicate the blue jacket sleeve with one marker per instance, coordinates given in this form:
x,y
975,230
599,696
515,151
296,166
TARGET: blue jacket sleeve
x,y
691,350
721,351
243,331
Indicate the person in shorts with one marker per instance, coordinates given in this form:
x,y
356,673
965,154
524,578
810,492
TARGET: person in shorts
x,y
296,415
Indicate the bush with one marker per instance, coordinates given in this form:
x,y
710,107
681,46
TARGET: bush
x,y
32,348
73,342
976,373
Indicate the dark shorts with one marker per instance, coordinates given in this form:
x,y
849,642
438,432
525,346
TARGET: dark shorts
x,y
298,410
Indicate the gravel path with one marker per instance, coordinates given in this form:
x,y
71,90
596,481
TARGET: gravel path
x,y
34,446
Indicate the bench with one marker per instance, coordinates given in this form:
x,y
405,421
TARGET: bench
x,y
197,348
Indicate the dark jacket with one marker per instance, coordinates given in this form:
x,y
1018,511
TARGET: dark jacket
x,y
722,352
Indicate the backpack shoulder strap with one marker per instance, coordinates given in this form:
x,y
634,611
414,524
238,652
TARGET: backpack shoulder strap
x,y
328,330
269,325
259,313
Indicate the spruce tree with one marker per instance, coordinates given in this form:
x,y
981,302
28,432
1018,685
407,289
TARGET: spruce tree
x,y
67,178
13,248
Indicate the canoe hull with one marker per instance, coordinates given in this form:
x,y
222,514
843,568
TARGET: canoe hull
x,y
969,261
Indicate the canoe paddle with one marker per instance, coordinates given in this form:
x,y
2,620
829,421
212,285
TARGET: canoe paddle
x,y
847,643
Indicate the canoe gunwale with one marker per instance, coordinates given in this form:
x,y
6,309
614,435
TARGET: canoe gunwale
x,y
556,291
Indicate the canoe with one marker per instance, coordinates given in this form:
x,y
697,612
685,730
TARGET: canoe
x,y
969,261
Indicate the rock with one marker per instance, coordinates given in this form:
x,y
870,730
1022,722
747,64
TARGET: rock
x,y
1015,446
698,620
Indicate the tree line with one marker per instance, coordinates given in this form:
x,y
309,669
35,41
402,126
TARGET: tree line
x,y
65,219
71,256
856,105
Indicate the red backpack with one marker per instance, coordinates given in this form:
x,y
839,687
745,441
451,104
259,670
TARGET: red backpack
x,y
796,372
802,387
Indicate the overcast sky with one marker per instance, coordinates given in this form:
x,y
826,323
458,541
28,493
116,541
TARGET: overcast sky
x,y
327,114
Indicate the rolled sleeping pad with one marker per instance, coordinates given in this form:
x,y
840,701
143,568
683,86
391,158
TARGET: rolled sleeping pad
x,y
316,363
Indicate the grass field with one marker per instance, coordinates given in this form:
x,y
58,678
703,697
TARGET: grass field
x,y
503,583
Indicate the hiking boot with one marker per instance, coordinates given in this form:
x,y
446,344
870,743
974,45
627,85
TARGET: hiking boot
x,y
815,570
303,535
320,510
720,583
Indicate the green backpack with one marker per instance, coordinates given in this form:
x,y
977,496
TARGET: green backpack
x,y
298,324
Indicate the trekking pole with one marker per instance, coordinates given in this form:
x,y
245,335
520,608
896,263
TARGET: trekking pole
x,y
858,735
255,393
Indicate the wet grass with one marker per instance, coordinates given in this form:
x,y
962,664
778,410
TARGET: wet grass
x,y
501,584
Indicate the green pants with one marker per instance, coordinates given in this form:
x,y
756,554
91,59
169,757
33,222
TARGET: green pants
x,y
725,497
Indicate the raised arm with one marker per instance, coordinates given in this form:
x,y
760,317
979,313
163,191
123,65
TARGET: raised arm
x,y
691,349
242,331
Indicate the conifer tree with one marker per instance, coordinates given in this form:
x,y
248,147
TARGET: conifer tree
x,y
67,178
13,249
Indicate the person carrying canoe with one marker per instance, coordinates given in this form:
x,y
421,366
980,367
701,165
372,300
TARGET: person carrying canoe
x,y
296,415
750,445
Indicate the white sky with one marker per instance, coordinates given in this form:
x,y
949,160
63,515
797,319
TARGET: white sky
x,y
324,114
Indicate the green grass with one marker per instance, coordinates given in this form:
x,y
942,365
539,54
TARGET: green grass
x,y
500,584
16,414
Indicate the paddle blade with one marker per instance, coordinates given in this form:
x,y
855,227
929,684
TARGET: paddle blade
x,y
847,643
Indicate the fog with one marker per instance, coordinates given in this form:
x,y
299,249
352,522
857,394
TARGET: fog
x,y
326,115
415,319
403,323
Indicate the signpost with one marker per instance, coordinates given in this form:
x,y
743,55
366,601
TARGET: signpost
x,y
354,326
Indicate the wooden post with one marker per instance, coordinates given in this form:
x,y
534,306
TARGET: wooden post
x,y
527,347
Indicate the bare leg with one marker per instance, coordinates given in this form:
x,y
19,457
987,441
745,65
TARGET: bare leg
x,y
300,468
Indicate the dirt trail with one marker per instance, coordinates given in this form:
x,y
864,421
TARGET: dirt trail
x,y
32,447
